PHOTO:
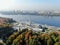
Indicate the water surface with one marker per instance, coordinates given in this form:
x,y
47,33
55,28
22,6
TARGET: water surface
x,y
49,20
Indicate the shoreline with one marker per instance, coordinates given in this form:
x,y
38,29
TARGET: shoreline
x,y
36,26
43,25
34,14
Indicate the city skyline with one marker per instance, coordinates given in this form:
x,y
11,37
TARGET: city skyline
x,y
30,4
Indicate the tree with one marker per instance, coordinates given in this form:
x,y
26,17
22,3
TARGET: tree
x,y
57,43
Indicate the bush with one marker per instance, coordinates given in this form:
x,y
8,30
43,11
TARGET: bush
x,y
57,43
28,37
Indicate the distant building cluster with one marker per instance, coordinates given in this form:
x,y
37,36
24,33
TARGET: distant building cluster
x,y
23,12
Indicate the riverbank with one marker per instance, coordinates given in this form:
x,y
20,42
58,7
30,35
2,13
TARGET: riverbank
x,y
48,26
35,27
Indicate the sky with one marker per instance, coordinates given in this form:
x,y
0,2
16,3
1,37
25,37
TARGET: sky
x,y
29,4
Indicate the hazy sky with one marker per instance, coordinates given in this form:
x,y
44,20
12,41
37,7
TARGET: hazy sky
x,y
29,4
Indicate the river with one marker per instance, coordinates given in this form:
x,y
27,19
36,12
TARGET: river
x,y
48,20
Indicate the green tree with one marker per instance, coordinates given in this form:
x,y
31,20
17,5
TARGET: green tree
x,y
57,43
